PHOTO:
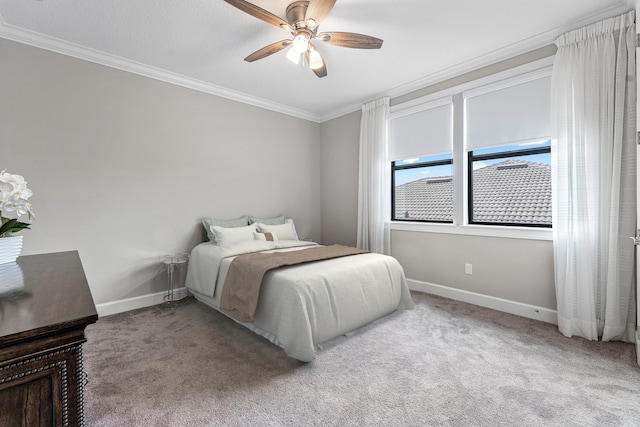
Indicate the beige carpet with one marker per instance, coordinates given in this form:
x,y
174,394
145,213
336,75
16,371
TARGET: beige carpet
x,y
444,363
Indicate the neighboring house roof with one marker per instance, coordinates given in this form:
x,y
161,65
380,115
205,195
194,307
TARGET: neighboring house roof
x,y
428,199
513,191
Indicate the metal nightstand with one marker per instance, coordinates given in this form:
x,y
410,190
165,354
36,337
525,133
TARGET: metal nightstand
x,y
176,272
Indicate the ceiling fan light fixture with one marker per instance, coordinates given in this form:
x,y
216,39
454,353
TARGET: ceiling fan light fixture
x,y
311,23
294,56
315,59
301,42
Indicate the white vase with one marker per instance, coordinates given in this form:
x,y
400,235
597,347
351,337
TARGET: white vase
x,y
10,248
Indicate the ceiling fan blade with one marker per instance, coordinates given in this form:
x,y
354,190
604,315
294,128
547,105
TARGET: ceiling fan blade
x,y
353,40
321,70
268,50
258,12
319,9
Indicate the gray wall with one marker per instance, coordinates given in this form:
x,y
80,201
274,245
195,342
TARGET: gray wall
x,y
513,269
123,167
340,152
518,270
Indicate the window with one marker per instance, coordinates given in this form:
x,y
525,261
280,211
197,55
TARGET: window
x,y
480,156
422,189
511,185
422,163
507,126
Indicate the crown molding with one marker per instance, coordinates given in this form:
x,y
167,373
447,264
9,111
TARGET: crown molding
x,y
63,47
507,52
502,54
454,71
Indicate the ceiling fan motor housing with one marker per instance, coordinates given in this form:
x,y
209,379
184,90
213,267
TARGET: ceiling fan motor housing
x,y
296,12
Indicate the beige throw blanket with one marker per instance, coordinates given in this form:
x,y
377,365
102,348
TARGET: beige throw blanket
x,y
239,297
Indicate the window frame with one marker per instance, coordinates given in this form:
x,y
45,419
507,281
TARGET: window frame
x,y
395,168
494,156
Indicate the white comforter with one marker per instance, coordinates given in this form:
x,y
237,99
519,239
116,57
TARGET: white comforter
x,y
306,305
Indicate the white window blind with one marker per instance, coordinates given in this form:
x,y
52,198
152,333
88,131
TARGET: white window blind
x,y
425,131
517,113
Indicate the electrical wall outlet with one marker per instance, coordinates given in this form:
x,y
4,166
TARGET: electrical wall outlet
x,y
468,268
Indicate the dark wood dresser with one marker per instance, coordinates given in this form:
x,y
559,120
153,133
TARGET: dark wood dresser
x,y
41,336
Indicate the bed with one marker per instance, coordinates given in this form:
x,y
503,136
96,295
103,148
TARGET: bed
x,y
302,306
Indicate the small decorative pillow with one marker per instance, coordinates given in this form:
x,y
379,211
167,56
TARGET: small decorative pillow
x,y
268,237
286,231
208,222
226,236
269,221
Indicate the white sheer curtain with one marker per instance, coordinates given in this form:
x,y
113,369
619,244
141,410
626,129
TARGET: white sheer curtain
x,y
594,175
373,194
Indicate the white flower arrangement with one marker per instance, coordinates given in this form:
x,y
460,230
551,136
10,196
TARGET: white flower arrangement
x,y
14,196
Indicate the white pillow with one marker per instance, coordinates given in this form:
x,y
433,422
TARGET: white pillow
x,y
226,236
208,222
286,231
268,236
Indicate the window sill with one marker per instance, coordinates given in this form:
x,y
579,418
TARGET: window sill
x,y
530,233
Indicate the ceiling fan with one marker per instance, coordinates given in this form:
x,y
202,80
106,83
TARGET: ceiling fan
x,y
303,20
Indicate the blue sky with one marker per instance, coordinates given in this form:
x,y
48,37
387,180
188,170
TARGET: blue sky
x,y
404,176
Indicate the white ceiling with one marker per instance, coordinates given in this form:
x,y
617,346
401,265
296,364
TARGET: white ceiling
x,y
201,43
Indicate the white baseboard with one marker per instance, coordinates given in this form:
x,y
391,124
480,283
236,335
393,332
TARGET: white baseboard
x,y
128,304
638,346
507,306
